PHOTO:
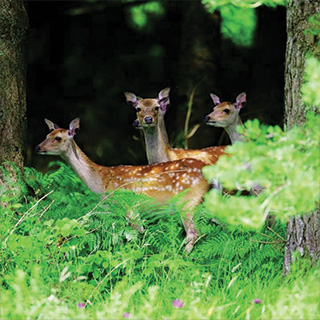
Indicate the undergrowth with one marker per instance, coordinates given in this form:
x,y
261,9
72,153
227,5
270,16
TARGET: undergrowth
x,y
69,253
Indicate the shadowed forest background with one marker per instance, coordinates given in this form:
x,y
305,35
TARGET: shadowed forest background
x,y
83,55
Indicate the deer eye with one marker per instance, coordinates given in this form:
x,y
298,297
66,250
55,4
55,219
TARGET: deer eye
x,y
156,108
138,109
227,111
57,138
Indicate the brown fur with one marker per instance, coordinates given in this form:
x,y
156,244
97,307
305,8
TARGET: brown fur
x,y
157,146
159,181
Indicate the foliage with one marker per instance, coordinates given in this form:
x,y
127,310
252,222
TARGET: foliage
x,y
238,24
238,17
143,16
285,164
69,253
310,88
313,31
242,3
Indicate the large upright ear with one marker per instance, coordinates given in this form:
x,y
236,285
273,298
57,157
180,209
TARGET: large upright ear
x,y
132,98
241,100
215,99
164,99
74,127
52,126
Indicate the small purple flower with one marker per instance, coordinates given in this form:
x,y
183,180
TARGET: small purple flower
x,y
257,301
126,315
81,305
177,303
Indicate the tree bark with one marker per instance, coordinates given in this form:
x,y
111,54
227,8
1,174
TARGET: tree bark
x,y
298,45
303,235
302,232
13,35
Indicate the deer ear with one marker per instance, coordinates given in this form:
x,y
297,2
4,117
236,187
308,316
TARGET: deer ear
x,y
132,98
241,100
215,99
164,93
52,126
164,99
74,127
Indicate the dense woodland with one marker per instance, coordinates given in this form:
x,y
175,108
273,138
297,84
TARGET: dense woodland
x,y
82,56
69,252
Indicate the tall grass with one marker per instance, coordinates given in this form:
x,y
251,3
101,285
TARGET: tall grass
x,y
67,253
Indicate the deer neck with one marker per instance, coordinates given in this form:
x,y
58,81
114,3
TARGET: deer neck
x,y
86,169
156,146
232,131
163,130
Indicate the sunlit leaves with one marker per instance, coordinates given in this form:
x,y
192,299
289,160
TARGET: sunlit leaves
x,y
142,15
238,17
285,164
310,89
238,24
213,4
82,272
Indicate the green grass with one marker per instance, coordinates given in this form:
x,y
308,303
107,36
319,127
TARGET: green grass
x,y
67,253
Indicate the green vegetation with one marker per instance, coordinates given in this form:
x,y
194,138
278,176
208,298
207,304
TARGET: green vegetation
x,y
285,164
238,17
72,254
68,253
143,16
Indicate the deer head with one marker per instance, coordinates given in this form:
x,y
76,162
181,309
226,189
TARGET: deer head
x,y
58,141
225,114
149,110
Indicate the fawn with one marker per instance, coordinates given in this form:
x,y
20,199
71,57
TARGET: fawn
x,y
226,115
150,118
159,181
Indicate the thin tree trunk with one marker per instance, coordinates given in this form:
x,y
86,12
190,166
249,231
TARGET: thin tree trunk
x,y
13,33
302,232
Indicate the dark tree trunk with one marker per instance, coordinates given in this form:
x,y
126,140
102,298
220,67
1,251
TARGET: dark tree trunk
x,y
302,232
13,34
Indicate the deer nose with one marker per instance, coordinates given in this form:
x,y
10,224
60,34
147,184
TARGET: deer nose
x,y
38,148
206,119
148,120
136,123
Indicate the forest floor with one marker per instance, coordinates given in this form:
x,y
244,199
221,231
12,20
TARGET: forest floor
x,y
74,255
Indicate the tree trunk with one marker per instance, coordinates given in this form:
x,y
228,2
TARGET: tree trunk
x,y
13,34
298,44
302,232
303,235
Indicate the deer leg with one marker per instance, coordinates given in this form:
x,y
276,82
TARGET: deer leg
x,y
192,233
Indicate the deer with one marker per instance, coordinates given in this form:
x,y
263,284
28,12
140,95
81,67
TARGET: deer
x,y
150,118
159,181
226,115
